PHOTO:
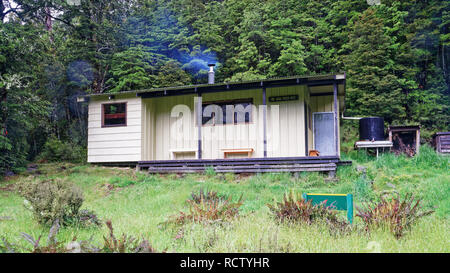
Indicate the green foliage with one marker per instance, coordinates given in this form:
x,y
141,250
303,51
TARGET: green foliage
x,y
369,66
137,210
293,208
124,244
395,214
363,189
209,210
53,246
56,150
56,200
204,195
111,244
122,181
395,55
209,171
132,69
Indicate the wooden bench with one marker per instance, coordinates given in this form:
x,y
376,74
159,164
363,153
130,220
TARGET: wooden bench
x,y
173,152
227,152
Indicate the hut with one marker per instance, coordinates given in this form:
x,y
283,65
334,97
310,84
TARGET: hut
x,y
405,139
266,125
441,142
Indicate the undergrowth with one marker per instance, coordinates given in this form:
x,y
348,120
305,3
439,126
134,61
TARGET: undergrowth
x,y
111,244
294,208
397,214
56,200
207,207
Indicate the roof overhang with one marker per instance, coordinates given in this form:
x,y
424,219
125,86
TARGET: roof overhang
x,y
317,82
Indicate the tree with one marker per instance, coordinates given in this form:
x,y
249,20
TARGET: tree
x,y
21,110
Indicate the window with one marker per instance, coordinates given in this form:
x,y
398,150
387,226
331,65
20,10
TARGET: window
x,y
227,112
114,114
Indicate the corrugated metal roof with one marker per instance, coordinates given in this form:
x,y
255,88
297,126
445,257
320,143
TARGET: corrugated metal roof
x,y
310,78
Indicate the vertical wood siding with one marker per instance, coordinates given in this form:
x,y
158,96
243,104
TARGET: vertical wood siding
x,y
168,133
152,133
234,136
286,127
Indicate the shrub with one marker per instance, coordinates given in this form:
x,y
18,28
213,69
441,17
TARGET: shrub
x,y
56,200
395,214
296,209
293,209
209,171
53,246
7,247
208,211
85,218
56,150
208,196
125,244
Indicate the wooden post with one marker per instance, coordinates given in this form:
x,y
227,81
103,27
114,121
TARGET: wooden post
x,y
336,124
264,119
350,208
438,143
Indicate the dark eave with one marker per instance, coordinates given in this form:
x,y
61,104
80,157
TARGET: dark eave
x,y
317,80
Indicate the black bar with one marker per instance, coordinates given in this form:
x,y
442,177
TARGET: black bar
x,y
326,82
322,94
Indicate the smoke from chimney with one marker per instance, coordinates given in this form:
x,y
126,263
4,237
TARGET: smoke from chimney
x,y
211,74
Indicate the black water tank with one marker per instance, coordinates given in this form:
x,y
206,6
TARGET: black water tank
x,y
371,128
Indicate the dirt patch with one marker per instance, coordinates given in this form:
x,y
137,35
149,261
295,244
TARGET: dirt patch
x,y
108,189
244,176
9,187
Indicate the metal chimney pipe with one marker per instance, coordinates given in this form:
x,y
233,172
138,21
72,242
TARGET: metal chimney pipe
x,y
211,74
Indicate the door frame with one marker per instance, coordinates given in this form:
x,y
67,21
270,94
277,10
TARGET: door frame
x,y
334,128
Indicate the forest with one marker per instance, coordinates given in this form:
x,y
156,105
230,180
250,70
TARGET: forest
x,y
395,55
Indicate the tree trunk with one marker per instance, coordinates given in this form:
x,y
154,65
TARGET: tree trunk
x,y
3,109
49,23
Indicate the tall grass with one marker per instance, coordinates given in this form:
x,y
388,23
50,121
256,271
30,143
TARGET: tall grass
x,y
138,203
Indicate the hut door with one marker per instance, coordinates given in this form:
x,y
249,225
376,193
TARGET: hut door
x,y
324,138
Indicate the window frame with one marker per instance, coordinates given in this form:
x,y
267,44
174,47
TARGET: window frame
x,y
114,125
229,102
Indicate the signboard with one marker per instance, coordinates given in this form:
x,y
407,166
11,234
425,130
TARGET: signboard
x,y
283,98
336,201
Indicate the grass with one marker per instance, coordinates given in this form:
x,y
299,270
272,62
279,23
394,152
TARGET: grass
x,y
137,203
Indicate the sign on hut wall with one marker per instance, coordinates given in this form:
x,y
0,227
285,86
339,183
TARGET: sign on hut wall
x,y
283,98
